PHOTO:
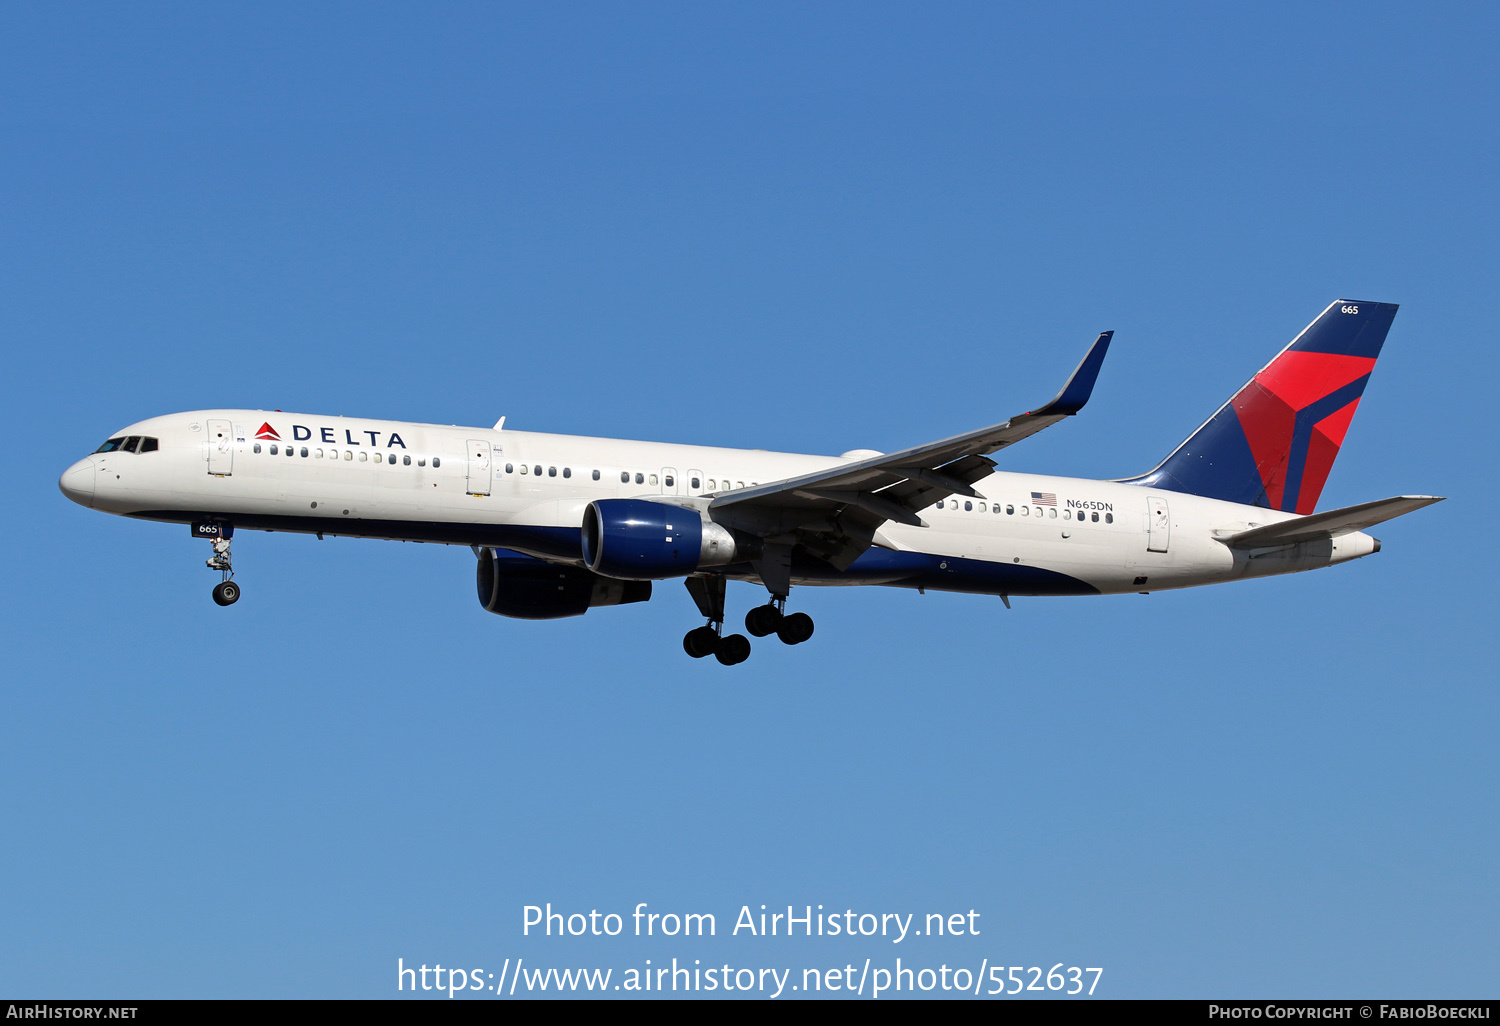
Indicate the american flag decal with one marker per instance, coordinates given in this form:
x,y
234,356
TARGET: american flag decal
x,y
1044,498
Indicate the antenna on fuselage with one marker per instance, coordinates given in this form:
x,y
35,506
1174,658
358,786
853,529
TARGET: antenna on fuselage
x,y
499,424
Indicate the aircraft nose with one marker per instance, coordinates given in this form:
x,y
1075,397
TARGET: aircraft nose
x,y
77,482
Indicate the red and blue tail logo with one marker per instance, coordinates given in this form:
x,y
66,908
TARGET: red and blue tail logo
x,y
1274,443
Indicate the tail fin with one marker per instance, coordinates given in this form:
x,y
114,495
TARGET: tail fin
x,y
1274,443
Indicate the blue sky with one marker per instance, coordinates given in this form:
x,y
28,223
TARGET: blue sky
x,y
760,226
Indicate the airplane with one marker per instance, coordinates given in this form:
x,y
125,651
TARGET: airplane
x,y
563,523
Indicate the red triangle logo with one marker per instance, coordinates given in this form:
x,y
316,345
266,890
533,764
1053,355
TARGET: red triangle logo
x,y
267,431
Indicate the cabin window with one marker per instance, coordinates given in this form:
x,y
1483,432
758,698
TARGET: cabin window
x,y
291,450
436,462
640,478
525,469
363,456
739,484
669,480
551,471
696,484
968,506
110,446
624,477
304,452
1109,518
274,450
596,475
1095,518
1025,511
537,470
421,461
510,468
1067,514
1052,512
712,484
1011,510
567,471
406,462
257,447
653,479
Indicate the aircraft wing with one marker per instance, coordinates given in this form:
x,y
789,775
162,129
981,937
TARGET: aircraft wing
x,y
834,512
1330,524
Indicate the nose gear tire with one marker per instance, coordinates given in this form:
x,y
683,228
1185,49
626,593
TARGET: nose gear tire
x,y
226,593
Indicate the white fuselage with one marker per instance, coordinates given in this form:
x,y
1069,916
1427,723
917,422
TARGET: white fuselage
x,y
527,491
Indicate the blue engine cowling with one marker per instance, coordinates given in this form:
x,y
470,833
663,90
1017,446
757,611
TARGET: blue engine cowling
x,y
532,589
640,540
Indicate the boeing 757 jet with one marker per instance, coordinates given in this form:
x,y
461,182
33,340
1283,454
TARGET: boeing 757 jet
x,y
563,523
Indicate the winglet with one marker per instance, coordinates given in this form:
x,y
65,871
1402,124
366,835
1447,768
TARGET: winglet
x,y
1081,385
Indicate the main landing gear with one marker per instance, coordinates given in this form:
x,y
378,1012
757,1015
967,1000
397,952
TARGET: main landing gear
x,y
771,618
708,593
226,592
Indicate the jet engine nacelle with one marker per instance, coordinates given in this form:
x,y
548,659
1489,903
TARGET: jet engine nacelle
x,y
640,540
532,589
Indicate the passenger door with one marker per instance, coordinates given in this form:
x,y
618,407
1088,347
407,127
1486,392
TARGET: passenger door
x,y
1159,524
220,448
480,468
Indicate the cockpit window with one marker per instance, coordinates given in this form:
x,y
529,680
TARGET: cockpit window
x,y
148,445
111,445
131,443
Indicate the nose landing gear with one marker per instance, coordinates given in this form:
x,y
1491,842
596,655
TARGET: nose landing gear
x,y
226,592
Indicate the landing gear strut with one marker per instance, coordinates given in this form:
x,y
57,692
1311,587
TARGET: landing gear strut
x,y
226,592
708,593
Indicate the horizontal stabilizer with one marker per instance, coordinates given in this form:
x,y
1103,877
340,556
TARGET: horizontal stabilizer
x,y
1330,524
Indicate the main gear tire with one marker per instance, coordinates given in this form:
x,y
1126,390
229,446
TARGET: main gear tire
x,y
700,642
733,649
763,620
795,629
